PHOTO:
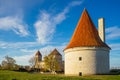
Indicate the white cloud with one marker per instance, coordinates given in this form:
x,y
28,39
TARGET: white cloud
x,y
28,51
10,8
44,28
17,45
46,24
115,46
15,24
29,47
23,60
112,32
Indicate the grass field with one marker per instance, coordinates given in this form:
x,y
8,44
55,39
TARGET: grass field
x,y
11,75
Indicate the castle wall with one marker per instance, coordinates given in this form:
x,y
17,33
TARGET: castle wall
x,y
86,61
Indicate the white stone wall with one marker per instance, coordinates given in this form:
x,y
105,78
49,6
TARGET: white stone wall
x,y
94,61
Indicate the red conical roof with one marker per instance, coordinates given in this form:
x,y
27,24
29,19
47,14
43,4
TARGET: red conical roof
x,y
85,34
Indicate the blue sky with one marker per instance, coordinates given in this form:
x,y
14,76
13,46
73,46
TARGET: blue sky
x,y
27,26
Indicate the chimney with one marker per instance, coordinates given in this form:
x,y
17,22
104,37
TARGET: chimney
x,y
101,29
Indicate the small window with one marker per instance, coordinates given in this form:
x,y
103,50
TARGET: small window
x,y
80,58
80,73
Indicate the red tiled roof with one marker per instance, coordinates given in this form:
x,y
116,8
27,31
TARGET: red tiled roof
x,y
38,53
85,34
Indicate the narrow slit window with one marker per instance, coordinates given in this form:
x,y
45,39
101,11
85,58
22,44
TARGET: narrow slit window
x,y
80,58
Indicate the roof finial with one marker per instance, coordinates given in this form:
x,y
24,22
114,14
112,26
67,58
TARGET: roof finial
x,y
84,8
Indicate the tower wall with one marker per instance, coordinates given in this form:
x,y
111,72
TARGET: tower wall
x,y
86,61
38,59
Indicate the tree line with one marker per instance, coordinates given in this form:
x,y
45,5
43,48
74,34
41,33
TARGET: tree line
x,y
51,64
9,63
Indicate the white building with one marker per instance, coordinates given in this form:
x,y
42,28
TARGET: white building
x,y
87,53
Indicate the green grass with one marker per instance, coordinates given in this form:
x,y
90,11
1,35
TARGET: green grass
x,y
11,75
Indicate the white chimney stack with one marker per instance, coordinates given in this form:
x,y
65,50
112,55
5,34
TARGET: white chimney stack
x,y
101,29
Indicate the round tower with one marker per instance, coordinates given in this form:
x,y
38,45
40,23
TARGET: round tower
x,y
86,53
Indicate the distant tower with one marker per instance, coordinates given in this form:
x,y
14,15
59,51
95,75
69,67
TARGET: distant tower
x,y
56,54
38,59
58,57
86,53
101,29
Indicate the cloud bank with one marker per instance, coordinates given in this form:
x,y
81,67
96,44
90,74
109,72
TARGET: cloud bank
x,y
14,24
112,32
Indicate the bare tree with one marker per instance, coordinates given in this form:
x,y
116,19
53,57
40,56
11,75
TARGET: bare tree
x,y
32,61
8,63
0,67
